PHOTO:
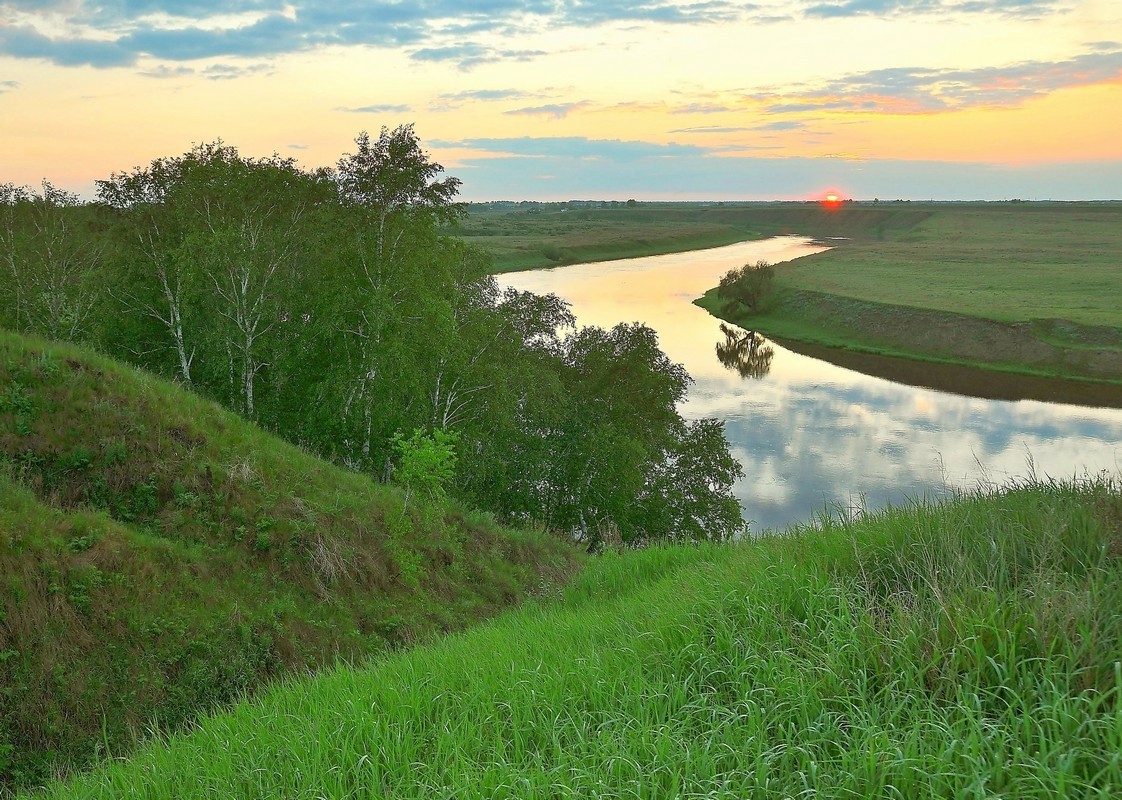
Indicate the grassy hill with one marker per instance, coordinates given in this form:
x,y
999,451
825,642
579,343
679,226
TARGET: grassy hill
x,y
160,556
966,649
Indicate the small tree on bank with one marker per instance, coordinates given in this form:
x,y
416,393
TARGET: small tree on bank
x,y
749,286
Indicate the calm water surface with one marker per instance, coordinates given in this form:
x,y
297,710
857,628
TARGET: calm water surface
x,y
814,436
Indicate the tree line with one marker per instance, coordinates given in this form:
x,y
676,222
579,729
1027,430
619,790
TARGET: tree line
x,y
330,307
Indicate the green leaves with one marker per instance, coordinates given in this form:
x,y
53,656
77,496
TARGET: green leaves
x,y
328,307
426,462
749,286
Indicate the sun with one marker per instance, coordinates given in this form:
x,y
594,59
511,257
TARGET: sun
x,y
832,200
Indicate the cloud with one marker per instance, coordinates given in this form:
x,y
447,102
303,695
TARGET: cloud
x,y
378,109
704,108
576,147
116,33
26,42
455,99
163,72
8,86
552,110
920,90
226,72
471,54
109,34
711,129
782,125
581,167
882,8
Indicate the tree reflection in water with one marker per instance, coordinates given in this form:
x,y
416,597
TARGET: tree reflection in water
x,y
747,353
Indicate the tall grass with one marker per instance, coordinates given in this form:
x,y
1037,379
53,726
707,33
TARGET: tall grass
x,y
963,650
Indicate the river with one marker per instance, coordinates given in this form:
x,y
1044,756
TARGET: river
x,y
816,437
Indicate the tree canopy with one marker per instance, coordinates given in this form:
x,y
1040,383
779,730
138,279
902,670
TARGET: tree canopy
x,y
330,307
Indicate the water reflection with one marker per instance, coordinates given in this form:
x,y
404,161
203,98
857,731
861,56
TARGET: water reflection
x,y
746,353
813,434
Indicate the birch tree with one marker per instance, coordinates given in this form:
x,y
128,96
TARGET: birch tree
x,y
51,260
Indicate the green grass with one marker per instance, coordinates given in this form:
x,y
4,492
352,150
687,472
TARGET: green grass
x,y
967,649
160,556
1004,262
533,235
1022,288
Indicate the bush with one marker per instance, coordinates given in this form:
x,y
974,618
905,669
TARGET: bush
x,y
749,286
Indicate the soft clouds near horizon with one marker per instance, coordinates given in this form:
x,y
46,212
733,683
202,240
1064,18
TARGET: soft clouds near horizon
x,y
659,98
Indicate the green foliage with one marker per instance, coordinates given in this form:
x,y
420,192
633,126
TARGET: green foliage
x,y
426,463
749,286
329,307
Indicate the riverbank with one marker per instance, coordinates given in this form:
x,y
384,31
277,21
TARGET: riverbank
x,y
939,650
1010,288
841,327
522,236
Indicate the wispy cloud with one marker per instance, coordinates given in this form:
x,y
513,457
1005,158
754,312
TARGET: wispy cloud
x,y
552,110
471,54
480,95
916,90
711,129
119,32
704,108
883,8
164,72
567,167
577,147
377,109
226,72
8,86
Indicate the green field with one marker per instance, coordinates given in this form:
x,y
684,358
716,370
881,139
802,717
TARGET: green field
x,y
1022,287
969,650
1005,262
531,235
1028,288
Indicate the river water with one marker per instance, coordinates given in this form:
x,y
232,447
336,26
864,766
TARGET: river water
x,y
817,437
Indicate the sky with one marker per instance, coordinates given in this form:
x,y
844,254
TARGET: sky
x,y
571,99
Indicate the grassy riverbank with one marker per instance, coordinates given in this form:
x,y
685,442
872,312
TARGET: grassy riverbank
x,y
1014,287
533,235
160,556
1026,288
961,650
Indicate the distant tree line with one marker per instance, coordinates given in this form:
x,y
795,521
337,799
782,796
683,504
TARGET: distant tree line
x,y
328,306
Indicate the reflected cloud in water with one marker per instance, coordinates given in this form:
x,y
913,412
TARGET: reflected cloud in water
x,y
814,435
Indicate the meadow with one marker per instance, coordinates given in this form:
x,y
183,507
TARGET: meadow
x,y
1020,287
963,649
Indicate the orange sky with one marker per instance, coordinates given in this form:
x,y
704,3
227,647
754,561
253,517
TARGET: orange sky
x,y
558,100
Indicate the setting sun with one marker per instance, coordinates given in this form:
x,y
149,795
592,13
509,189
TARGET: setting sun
x,y
832,200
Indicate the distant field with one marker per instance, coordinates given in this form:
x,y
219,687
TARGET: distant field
x,y
533,235
1025,287
1000,261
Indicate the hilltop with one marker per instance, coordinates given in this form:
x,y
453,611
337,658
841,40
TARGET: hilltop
x,y
160,556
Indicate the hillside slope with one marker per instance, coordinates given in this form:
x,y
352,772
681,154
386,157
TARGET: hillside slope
x,y
159,555
951,650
